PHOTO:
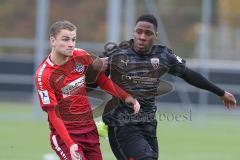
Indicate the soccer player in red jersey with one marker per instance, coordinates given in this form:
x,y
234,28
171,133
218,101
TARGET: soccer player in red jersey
x,y
61,87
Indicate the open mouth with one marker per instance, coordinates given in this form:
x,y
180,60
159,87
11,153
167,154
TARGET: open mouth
x,y
141,46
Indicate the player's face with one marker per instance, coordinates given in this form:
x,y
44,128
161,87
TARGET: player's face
x,y
144,36
64,42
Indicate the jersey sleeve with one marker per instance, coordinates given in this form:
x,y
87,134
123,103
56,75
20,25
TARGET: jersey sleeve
x,y
176,64
108,85
45,93
60,127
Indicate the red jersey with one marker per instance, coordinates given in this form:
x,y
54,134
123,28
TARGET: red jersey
x,y
63,88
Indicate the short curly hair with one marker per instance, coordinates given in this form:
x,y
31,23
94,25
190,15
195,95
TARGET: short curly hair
x,y
148,18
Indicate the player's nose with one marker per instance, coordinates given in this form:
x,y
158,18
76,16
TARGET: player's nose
x,y
142,37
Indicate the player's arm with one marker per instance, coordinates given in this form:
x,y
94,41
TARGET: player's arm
x,y
109,86
100,64
60,127
96,67
58,124
178,68
197,80
48,103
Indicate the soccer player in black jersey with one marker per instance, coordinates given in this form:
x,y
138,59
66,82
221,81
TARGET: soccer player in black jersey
x,y
136,66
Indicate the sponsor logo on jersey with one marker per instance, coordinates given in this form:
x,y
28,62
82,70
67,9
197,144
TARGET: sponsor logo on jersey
x,y
79,68
44,96
73,87
39,76
155,62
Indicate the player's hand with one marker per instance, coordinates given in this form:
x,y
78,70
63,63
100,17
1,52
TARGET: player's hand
x,y
229,100
133,103
73,151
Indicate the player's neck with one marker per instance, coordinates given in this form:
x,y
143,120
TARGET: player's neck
x,y
147,52
58,58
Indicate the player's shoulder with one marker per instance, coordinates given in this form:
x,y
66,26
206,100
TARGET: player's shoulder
x,y
112,48
162,49
79,52
82,56
166,54
45,69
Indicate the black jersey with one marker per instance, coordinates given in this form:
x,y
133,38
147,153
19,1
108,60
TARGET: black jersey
x,y
139,75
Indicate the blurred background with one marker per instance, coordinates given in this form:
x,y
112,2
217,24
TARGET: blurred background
x,y
206,33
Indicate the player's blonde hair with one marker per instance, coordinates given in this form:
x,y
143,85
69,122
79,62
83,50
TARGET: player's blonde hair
x,y
60,25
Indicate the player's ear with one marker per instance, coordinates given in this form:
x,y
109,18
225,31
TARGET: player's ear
x,y
52,40
156,34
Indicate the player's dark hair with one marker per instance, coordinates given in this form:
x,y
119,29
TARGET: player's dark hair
x,y
148,18
60,25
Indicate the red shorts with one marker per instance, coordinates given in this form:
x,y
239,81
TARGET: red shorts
x,y
88,146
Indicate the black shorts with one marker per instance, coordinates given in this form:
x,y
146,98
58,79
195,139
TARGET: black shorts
x,y
134,142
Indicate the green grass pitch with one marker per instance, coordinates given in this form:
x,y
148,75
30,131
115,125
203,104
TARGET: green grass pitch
x,y
217,137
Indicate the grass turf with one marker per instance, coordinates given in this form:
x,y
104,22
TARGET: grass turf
x,y
216,137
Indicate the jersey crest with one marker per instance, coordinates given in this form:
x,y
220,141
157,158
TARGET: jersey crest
x,y
79,68
155,62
